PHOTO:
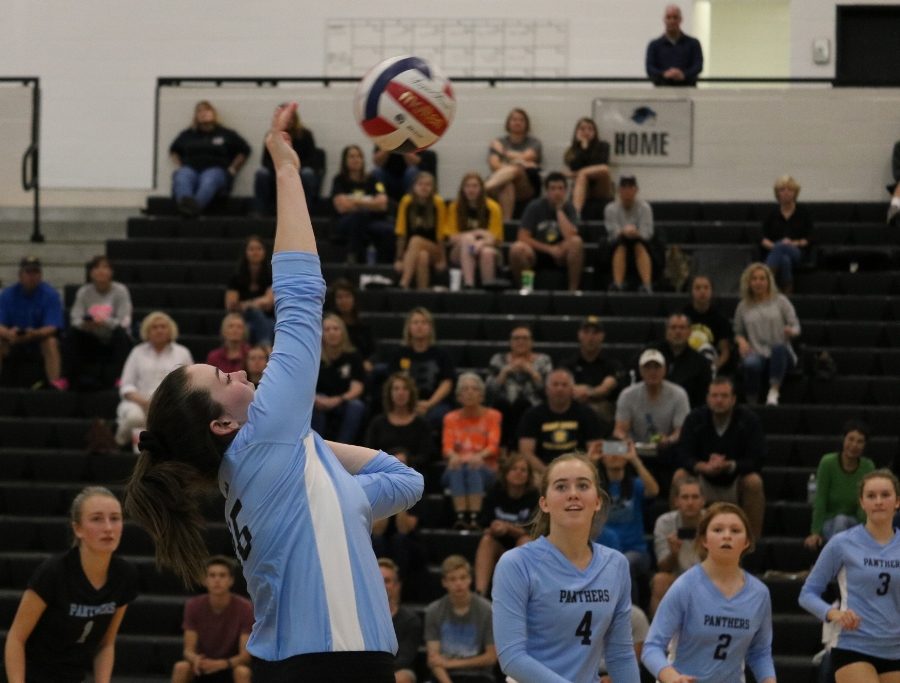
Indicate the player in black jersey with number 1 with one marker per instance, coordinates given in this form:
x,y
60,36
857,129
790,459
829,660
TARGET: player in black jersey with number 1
x,y
69,616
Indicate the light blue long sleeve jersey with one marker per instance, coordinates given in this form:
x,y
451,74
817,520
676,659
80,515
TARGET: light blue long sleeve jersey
x,y
553,622
299,521
868,575
714,635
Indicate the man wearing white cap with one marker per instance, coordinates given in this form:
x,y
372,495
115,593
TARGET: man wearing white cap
x,y
654,409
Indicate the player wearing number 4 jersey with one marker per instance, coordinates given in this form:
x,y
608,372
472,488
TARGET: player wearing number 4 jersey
x,y
561,601
865,560
300,509
67,622
715,617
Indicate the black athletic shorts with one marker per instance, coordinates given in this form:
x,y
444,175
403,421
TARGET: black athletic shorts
x,y
327,667
841,657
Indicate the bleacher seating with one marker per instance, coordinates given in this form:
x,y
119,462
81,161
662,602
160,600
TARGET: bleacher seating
x,y
849,307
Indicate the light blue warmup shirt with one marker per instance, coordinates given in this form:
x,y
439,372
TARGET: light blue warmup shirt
x,y
299,521
714,635
868,575
553,622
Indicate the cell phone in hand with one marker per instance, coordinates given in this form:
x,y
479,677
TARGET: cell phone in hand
x,y
614,447
686,533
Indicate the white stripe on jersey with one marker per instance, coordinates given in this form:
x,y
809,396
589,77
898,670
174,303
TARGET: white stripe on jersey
x,y
333,552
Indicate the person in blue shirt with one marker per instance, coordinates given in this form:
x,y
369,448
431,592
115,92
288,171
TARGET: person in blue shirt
x,y
865,561
562,602
300,509
719,616
626,511
674,58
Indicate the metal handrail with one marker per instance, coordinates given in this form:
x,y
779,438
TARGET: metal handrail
x,y
30,159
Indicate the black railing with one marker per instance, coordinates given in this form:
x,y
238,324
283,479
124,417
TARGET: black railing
x,y
31,157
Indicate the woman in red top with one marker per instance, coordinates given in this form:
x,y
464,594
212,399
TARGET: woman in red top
x,y
232,355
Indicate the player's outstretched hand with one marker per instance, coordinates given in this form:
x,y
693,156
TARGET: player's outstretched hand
x,y
278,141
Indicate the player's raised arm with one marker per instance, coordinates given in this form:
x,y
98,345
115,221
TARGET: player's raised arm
x,y
294,228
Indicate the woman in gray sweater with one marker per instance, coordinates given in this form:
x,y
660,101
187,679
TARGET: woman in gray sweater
x,y
764,324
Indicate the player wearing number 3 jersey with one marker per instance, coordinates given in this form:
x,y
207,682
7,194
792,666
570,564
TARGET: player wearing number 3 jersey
x,y
716,616
67,622
865,561
561,601
300,509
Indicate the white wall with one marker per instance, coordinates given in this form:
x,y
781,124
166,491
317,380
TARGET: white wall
x,y
749,39
98,61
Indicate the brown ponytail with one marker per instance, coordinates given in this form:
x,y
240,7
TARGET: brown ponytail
x,y
175,473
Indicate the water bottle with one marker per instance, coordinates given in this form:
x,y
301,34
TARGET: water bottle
x,y
371,255
811,489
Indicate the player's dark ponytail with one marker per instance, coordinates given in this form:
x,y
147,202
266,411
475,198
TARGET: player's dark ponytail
x,y
175,473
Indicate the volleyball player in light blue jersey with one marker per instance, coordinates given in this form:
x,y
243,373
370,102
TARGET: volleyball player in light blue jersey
x,y
716,617
865,561
299,509
561,601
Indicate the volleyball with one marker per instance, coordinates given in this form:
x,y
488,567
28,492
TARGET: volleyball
x,y
404,104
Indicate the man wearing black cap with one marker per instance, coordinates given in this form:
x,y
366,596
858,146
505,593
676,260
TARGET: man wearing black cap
x,y
597,376
629,227
31,316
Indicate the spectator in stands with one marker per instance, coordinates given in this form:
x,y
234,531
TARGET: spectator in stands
x,y
31,318
684,366
587,161
516,381
597,376
395,536
420,232
400,427
407,624
311,169
458,631
515,164
98,339
559,426
475,230
397,171
627,494
471,447
342,298
207,157
764,324
894,206
216,627
361,205
836,507
428,364
339,409
674,58
723,445
786,233
69,615
256,362
147,364
673,538
711,333
547,237
249,291
232,355
653,410
629,229
506,511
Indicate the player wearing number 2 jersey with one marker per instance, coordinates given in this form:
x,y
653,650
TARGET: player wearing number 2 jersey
x,y
300,509
67,622
715,617
561,601
865,560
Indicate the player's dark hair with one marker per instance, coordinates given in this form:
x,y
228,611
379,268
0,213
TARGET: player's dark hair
x,y
176,471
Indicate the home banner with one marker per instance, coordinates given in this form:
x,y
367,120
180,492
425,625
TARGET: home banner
x,y
647,132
